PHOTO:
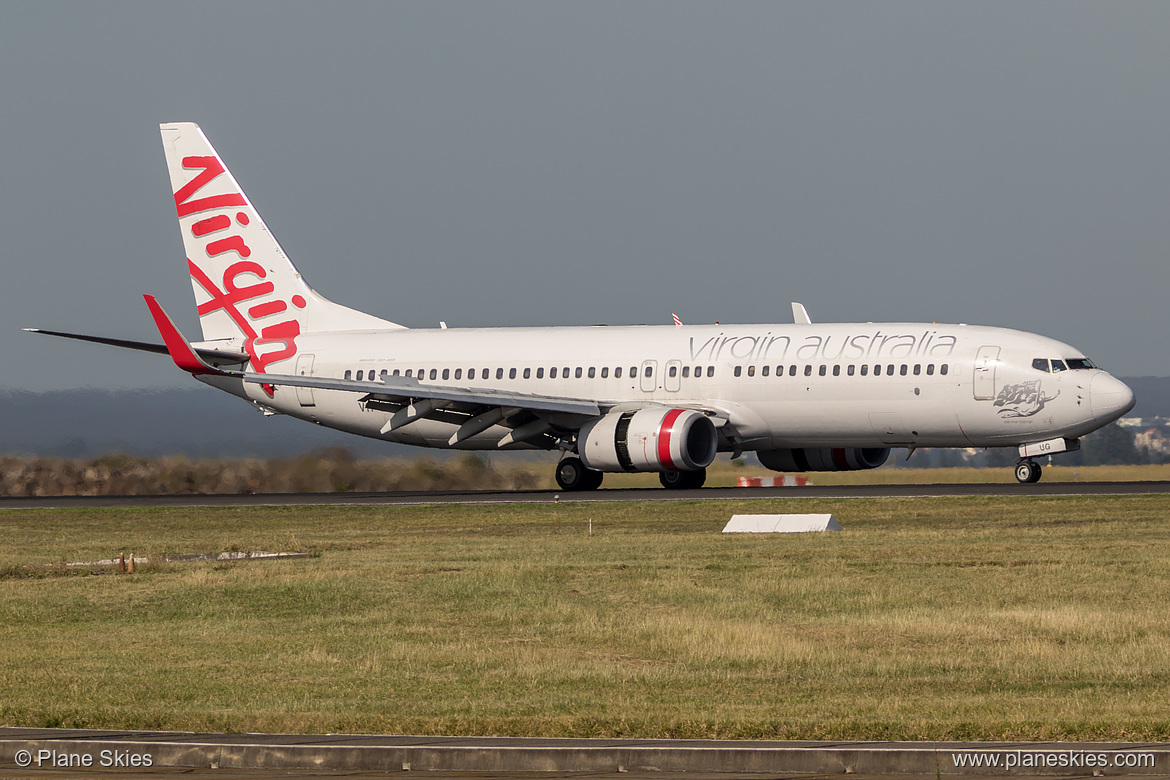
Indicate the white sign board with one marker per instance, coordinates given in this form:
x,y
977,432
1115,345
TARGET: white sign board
x,y
780,524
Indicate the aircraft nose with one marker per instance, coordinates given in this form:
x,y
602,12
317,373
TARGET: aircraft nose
x,y
1109,397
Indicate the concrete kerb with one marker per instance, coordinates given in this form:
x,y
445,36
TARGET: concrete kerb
x,y
370,753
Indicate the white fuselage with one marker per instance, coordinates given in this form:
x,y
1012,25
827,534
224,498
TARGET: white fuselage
x,y
775,386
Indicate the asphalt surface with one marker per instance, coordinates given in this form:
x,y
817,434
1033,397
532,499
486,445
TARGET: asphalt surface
x,y
408,498
48,753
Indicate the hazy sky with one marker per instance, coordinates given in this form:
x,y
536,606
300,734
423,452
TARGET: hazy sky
x,y
507,163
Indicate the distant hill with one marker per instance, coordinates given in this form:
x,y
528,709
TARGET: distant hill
x,y
197,422
203,422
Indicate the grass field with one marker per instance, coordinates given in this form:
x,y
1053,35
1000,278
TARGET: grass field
x,y
965,618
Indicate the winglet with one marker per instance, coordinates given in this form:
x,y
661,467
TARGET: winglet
x,y
179,348
799,315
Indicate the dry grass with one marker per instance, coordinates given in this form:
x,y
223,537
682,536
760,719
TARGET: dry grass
x,y
328,471
974,618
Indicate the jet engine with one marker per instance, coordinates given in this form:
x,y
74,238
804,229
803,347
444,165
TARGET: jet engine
x,y
824,458
648,440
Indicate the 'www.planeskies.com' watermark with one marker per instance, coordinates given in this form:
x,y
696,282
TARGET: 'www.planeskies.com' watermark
x,y
1051,759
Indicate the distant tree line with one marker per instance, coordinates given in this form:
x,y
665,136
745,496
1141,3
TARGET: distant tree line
x,y
1109,446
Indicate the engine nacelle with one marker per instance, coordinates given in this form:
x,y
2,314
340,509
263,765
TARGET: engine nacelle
x,y
649,440
824,458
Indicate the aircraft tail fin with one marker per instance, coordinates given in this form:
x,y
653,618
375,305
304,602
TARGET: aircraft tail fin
x,y
245,286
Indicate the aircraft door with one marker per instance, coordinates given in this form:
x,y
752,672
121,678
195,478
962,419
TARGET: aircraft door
x,y
672,380
305,368
649,381
985,363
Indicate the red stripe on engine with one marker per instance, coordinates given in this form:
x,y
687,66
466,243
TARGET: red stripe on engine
x,y
664,439
840,459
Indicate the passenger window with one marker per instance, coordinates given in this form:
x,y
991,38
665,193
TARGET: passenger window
x,y
634,371
698,371
383,374
592,372
890,369
1040,364
348,374
422,373
499,373
942,370
396,372
360,375
792,371
605,372
446,373
578,372
902,370
850,369
434,373
864,369
917,369
617,373
686,371
764,370
511,373
552,373
648,372
808,370
836,370
540,373
930,369
528,373
471,373
738,370
673,371
710,371
821,371
1057,366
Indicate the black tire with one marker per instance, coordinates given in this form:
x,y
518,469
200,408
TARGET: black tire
x,y
593,479
572,475
683,480
1028,472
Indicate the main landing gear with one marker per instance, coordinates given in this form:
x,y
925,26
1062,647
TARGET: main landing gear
x,y
1028,472
572,475
682,480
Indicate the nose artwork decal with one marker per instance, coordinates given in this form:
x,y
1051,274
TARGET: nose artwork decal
x,y
1022,400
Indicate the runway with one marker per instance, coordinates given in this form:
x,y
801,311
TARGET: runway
x,y
62,752
414,498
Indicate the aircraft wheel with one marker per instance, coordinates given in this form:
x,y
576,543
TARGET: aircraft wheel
x,y
682,480
593,479
1028,472
572,475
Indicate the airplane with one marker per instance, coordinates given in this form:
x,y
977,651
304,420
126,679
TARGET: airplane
x,y
667,399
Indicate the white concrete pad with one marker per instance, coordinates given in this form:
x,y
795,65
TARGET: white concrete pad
x,y
780,524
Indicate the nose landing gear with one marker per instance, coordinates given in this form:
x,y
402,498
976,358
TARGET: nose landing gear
x,y
1028,472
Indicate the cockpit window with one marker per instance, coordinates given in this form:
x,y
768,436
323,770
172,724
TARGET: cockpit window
x,y
1040,364
1057,366
1079,363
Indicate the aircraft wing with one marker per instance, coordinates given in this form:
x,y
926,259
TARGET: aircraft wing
x,y
409,388
211,355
